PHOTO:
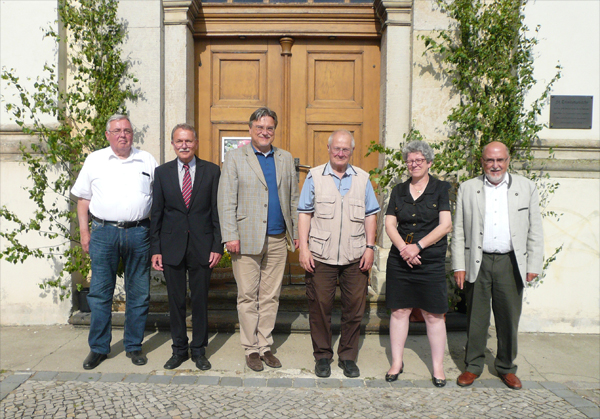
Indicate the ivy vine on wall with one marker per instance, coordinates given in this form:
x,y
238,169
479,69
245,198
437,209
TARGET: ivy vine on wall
x,y
97,84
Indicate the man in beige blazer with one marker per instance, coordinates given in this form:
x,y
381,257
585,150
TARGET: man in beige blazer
x,y
497,247
257,201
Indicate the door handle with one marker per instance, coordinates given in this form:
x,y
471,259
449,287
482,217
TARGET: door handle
x,y
298,167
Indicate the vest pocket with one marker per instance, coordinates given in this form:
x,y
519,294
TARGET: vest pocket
x,y
357,246
325,207
356,210
319,242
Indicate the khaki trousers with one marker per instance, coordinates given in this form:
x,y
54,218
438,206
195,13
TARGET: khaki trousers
x,y
259,279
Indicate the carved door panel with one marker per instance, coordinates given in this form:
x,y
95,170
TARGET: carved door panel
x,y
234,79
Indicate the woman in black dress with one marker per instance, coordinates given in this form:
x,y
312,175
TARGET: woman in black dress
x,y
417,221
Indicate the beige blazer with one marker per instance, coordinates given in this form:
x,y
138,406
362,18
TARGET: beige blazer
x,y
525,222
243,197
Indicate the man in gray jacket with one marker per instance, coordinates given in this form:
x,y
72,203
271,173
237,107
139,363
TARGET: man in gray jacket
x,y
497,247
257,200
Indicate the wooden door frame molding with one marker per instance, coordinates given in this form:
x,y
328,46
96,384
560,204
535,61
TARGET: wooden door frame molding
x,y
298,20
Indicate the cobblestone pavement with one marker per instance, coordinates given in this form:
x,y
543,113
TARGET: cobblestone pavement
x,y
46,394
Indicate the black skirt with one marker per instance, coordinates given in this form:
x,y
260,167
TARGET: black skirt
x,y
423,286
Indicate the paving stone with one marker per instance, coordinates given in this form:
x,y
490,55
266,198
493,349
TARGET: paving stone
x,y
352,383
113,377
551,385
578,401
135,378
184,379
159,379
66,376
402,384
44,375
492,383
279,382
305,382
208,380
88,376
531,385
590,412
328,383
17,378
255,382
231,381
377,383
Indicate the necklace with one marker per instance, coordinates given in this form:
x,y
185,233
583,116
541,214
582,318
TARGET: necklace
x,y
414,186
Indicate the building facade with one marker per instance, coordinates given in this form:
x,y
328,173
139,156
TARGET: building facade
x,y
322,66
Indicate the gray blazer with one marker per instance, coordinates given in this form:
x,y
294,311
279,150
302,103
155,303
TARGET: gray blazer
x,y
243,197
525,226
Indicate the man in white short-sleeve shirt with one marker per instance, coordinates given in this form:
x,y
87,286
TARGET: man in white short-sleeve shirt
x,y
114,189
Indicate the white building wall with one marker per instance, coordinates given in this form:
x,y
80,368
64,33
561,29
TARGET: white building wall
x,y
23,48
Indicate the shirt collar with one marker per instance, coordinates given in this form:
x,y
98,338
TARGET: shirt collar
x,y
349,170
487,183
191,164
271,151
133,154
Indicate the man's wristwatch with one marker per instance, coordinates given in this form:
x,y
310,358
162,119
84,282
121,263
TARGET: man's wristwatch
x,y
370,246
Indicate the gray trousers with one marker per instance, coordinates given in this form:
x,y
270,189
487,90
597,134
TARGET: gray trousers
x,y
499,281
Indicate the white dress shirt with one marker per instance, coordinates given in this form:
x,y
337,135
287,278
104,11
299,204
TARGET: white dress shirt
x,y
119,189
496,228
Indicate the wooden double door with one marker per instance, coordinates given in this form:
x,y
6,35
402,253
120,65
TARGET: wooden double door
x,y
316,86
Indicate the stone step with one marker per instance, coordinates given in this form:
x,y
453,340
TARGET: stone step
x,y
292,314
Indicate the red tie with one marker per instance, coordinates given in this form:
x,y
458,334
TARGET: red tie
x,y
186,187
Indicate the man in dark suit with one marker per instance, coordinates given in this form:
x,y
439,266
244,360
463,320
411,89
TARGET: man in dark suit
x,y
186,237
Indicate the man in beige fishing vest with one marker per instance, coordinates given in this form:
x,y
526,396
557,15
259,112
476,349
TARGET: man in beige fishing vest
x,y
337,225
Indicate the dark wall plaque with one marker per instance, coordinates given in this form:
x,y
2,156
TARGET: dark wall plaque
x,y
571,112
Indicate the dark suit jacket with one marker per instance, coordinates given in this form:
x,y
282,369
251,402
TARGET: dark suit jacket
x,y
172,223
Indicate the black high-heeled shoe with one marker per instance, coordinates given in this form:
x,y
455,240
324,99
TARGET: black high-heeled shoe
x,y
393,377
438,382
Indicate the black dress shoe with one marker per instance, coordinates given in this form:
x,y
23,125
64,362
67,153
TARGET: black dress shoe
x,y
438,382
93,360
322,368
137,357
175,361
201,362
393,377
350,368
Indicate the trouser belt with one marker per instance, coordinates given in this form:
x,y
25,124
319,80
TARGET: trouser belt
x,y
122,224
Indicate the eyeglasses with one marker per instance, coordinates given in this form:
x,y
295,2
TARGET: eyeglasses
x,y
260,128
415,162
118,132
490,162
181,144
344,151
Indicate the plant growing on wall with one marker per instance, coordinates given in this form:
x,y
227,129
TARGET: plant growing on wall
x,y
98,85
487,56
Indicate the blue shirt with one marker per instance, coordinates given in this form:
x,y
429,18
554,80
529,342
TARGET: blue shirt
x,y
275,220
307,197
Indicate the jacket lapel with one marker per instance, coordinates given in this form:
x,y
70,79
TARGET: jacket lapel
x,y
197,180
278,165
481,198
254,164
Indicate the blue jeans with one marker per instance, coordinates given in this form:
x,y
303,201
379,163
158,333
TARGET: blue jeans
x,y
107,245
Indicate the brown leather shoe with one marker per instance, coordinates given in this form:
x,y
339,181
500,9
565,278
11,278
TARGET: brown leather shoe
x,y
466,379
253,361
270,360
511,381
